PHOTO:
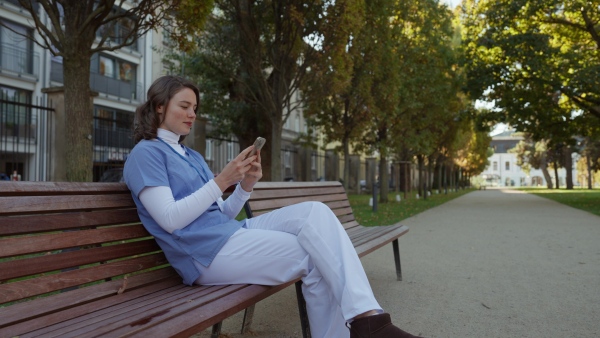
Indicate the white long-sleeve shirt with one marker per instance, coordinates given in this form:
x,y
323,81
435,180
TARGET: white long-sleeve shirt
x,y
172,215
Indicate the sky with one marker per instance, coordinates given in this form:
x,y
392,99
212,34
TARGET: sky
x,y
451,3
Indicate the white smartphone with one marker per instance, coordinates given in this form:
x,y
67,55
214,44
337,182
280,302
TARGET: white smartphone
x,y
258,144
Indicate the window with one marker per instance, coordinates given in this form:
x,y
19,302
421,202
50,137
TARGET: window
x,y
119,31
167,40
209,151
116,69
16,51
107,67
112,119
495,166
507,165
313,161
286,158
297,127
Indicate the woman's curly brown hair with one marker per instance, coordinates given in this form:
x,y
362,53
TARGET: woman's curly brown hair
x,y
147,120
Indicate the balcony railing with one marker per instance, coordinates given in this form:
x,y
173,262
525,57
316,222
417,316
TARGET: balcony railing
x,y
129,91
19,60
16,3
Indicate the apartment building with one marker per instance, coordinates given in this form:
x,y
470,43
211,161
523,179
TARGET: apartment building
x,y
28,71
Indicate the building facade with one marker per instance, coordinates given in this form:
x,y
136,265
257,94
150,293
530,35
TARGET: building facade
x,y
503,170
28,73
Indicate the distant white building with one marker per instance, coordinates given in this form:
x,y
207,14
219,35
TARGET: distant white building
x,y
503,170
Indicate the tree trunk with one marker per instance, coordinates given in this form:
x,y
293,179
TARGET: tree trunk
x,y
383,179
589,170
544,169
420,162
429,183
78,118
556,175
276,175
346,147
568,168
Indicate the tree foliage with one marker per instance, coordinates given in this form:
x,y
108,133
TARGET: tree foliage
x,y
337,90
264,66
537,62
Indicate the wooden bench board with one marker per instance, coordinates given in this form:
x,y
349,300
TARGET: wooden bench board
x,y
56,236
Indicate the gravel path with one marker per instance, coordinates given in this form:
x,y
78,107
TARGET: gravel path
x,y
494,263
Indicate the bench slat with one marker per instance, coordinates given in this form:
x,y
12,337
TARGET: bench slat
x,y
280,202
365,234
259,194
152,314
99,321
44,284
43,243
67,305
24,188
60,319
193,320
366,248
16,225
294,185
41,264
45,204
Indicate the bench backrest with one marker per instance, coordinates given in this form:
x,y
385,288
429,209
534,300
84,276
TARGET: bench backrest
x,y
272,195
56,236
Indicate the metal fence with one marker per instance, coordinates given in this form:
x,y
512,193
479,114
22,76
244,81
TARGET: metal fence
x,y
25,139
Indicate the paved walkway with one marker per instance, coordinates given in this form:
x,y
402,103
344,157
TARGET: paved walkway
x,y
494,263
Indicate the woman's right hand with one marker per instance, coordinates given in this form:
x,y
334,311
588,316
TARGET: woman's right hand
x,y
235,170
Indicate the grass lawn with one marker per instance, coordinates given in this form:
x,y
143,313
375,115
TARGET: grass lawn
x,y
393,212
584,199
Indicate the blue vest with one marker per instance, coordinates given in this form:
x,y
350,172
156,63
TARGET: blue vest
x,y
154,163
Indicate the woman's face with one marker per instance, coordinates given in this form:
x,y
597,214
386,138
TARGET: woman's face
x,y
180,112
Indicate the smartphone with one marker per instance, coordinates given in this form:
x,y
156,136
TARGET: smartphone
x,y
258,144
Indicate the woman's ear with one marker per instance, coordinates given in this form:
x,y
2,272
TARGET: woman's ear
x,y
160,109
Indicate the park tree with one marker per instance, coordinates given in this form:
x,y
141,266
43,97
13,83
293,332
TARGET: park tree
x,y
537,62
265,64
75,30
337,91
383,32
427,85
589,163
533,154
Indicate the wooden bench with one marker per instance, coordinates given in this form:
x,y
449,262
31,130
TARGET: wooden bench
x,y
76,261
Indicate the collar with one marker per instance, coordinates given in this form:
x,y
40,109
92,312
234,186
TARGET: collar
x,y
168,136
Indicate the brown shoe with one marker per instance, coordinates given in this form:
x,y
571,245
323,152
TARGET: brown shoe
x,y
377,326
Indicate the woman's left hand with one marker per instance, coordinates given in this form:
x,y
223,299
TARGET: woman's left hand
x,y
253,175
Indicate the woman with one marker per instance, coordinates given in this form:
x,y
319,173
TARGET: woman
x,y
179,202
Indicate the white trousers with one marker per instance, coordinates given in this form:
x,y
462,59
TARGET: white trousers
x,y
304,240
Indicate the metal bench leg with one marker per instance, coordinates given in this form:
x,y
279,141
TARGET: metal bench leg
x,y
248,315
397,259
302,311
216,330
